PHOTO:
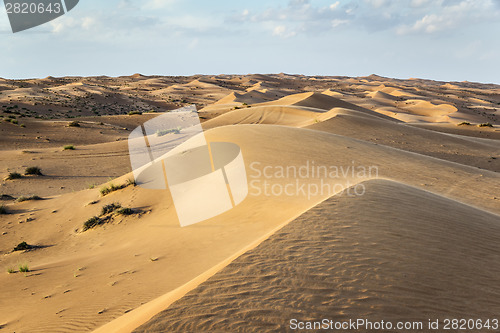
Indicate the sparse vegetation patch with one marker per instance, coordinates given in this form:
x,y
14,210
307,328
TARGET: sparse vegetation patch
x,y
23,246
92,222
24,268
22,198
160,133
134,113
14,175
125,211
111,188
35,171
107,214
110,208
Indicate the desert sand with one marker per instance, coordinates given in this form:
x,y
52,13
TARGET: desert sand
x,y
420,243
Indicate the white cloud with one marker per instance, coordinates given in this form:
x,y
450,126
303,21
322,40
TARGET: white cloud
x,y
157,4
378,3
88,22
335,5
419,3
194,43
451,15
282,31
336,23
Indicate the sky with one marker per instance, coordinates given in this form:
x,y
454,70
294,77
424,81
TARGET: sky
x,y
448,40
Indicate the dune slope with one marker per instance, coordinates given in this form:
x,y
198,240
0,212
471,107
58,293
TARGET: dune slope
x,y
395,254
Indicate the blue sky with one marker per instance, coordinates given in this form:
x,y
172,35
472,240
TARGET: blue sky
x,y
450,40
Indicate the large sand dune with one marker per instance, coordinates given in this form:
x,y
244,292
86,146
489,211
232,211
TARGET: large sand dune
x,y
396,254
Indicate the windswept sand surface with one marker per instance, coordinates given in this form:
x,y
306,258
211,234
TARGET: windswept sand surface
x,y
421,242
377,257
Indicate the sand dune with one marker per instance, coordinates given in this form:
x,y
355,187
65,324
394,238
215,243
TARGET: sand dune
x,y
408,255
333,93
251,97
425,108
271,115
383,96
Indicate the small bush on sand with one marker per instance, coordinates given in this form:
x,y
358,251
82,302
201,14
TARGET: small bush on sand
x,y
160,133
110,208
23,246
74,124
3,210
35,171
485,125
14,175
464,123
125,211
22,198
24,268
111,188
107,213
91,223
134,113
69,147
11,270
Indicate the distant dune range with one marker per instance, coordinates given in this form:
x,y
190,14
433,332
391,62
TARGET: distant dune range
x,y
422,242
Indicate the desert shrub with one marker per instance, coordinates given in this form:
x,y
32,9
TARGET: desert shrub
x,y
125,211
3,210
36,171
168,131
111,188
466,123
91,223
30,198
23,246
69,147
11,270
485,125
134,113
110,208
14,175
131,182
24,268
74,124
23,126
107,213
